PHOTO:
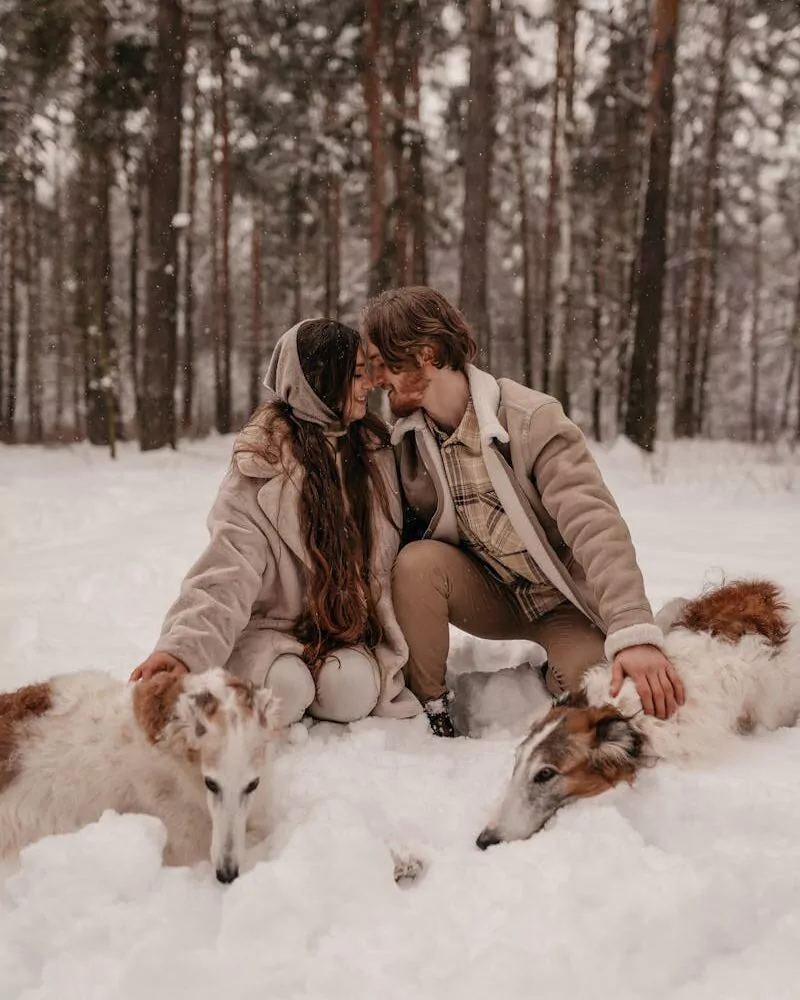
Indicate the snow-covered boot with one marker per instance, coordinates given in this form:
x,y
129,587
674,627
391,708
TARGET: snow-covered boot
x,y
438,712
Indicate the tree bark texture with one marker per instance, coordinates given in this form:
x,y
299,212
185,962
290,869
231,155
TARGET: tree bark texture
x,y
478,150
641,418
160,354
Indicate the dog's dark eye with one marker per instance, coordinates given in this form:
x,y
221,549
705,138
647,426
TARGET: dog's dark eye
x,y
252,786
544,774
212,786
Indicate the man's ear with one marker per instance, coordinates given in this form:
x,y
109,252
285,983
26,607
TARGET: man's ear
x,y
426,355
267,709
616,746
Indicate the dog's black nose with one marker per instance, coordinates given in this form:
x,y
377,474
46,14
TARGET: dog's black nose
x,y
487,838
227,873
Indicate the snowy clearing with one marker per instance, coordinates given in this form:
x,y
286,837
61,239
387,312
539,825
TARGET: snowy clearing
x,y
685,886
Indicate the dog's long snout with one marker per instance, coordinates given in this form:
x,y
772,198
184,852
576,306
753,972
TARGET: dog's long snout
x,y
487,838
227,872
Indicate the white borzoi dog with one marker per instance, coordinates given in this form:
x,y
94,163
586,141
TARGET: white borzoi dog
x,y
191,750
737,651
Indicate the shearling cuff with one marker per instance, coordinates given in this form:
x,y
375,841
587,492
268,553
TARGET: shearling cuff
x,y
643,634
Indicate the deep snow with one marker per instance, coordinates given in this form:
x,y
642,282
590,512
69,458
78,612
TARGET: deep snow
x,y
685,886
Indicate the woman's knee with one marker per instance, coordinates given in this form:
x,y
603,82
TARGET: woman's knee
x,y
348,687
290,680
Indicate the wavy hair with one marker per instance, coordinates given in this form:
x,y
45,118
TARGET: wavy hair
x,y
336,510
401,321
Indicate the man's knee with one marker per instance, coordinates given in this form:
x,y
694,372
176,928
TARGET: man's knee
x,y
567,666
418,564
348,687
290,680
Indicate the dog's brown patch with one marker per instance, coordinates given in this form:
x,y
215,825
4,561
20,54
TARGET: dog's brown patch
x,y
573,749
154,702
207,702
744,607
17,708
245,694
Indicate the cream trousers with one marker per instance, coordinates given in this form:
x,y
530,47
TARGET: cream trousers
x,y
348,686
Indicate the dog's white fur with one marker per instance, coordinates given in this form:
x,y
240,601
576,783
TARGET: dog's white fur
x,y
89,753
731,689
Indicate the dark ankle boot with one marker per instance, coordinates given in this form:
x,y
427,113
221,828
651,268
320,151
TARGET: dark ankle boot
x,y
438,712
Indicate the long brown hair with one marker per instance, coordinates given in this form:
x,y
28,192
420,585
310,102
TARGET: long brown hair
x,y
336,511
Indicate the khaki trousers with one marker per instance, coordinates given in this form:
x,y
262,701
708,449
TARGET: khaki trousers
x,y
434,584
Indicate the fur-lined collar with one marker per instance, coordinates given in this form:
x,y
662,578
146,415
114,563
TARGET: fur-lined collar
x,y
485,392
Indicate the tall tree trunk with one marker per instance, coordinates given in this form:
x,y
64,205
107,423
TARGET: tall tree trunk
x,y
755,323
686,422
256,335
295,236
60,310
135,210
215,292
333,249
188,270
373,99
683,214
226,195
524,236
157,427
478,151
102,405
4,287
562,327
416,163
13,342
709,320
332,223
793,368
399,214
597,325
81,303
641,419
33,340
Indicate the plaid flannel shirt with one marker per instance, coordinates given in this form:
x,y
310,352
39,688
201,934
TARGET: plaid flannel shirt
x,y
483,525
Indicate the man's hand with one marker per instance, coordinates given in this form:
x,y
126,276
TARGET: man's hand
x,y
655,678
157,663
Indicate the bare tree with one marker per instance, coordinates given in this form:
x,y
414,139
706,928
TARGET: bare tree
x,y
641,418
378,279
687,422
478,148
157,425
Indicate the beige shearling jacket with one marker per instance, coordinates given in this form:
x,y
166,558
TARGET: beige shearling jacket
x,y
554,494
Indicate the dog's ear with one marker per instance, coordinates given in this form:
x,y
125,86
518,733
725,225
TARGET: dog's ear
x,y
616,745
267,709
156,704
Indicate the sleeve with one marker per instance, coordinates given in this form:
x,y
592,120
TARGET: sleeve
x,y
217,595
576,497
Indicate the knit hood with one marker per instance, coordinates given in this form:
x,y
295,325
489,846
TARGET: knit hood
x,y
286,383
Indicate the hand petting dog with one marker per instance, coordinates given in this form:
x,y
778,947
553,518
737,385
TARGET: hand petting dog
x,y
657,683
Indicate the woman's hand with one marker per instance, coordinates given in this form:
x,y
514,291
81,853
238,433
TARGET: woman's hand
x,y
157,663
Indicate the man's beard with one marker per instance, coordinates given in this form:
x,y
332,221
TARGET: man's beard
x,y
409,398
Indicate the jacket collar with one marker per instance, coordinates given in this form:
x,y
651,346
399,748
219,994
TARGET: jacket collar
x,y
485,392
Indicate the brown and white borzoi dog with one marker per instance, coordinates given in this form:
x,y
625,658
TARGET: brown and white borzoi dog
x,y
737,651
191,750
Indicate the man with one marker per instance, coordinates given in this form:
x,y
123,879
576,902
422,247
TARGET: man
x,y
518,535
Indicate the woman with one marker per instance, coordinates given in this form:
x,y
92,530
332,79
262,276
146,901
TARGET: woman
x,y
293,590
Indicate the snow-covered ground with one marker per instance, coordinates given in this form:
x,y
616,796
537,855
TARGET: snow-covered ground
x,y
685,886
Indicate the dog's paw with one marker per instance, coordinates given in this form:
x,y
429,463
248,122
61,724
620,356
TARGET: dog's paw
x,y
407,868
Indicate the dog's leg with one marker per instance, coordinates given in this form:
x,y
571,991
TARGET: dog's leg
x,y
407,867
